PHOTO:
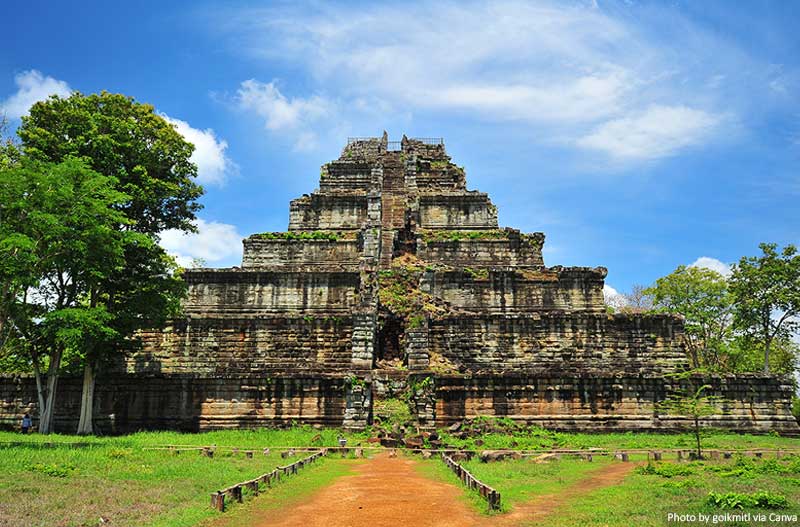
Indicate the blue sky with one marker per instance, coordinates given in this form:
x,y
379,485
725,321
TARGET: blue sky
x,y
636,135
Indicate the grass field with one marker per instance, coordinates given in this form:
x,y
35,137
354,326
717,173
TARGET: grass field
x,y
120,479
124,480
646,496
515,436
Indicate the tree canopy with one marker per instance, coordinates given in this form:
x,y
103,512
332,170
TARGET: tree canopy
x,y
701,296
766,292
81,277
121,138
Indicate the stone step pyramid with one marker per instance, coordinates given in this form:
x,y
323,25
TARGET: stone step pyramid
x,y
395,281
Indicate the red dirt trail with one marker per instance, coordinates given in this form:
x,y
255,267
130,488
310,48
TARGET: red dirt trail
x,y
387,492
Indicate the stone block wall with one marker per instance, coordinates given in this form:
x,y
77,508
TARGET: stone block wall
x,y
346,175
558,343
328,211
432,175
281,254
611,403
467,210
240,292
191,403
247,346
515,250
521,291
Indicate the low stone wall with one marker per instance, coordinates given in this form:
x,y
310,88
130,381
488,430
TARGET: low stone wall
x,y
558,343
127,403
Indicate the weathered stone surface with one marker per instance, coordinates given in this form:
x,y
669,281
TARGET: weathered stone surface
x,y
394,281
281,254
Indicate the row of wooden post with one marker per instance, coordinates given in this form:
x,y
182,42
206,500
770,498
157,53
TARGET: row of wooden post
x,y
472,483
235,491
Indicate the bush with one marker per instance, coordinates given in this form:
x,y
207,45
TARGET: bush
x,y
392,412
735,500
54,470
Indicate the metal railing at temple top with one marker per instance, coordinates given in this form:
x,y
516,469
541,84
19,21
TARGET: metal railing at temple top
x,y
395,145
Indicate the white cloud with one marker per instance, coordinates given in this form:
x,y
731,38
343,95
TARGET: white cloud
x,y
214,243
294,116
32,87
570,74
213,166
613,298
658,132
707,262
507,60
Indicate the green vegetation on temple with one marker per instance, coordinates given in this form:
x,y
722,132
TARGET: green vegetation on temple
x,y
454,236
331,236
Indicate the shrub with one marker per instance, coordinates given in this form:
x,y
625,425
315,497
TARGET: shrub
x,y
54,470
735,500
392,411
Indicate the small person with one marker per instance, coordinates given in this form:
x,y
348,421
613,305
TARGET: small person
x,y
342,441
26,423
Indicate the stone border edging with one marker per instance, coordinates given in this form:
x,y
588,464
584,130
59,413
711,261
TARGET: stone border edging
x,y
235,491
473,483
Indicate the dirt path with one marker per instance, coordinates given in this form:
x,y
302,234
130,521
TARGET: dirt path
x,y
386,492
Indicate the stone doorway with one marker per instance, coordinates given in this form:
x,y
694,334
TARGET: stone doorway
x,y
390,349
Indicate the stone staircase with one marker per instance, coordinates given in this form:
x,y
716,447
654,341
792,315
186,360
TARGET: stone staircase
x,y
393,204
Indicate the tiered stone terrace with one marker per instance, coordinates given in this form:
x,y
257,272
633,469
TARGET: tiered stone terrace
x,y
390,273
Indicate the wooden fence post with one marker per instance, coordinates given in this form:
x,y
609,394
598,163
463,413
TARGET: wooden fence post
x,y
218,501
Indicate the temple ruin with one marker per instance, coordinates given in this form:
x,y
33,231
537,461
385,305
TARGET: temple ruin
x,y
395,281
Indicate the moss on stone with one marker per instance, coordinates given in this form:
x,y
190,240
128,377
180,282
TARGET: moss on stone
x,y
441,235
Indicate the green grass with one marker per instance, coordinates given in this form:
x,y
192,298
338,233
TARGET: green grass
x,y
516,480
647,499
293,490
296,436
123,479
647,495
519,481
512,435
120,479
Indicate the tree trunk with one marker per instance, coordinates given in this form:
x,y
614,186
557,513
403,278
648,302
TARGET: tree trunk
x,y
691,347
85,426
47,411
767,342
697,436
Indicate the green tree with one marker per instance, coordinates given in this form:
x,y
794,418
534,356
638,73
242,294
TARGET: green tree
x,y
8,151
745,353
766,291
149,162
701,296
690,400
124,139
59,241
